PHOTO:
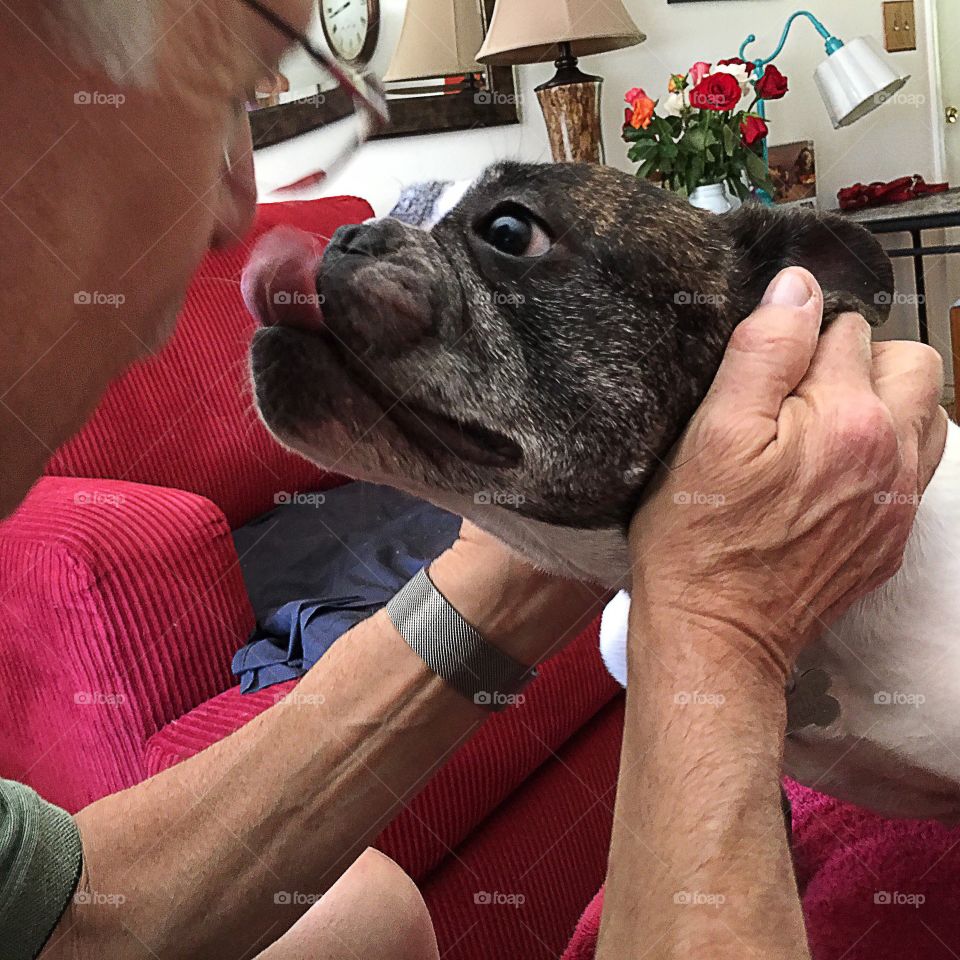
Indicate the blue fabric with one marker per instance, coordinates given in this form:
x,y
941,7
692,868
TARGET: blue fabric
x,y
321,563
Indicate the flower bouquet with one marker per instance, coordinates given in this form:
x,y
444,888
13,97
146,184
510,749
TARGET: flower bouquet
x,y
699,134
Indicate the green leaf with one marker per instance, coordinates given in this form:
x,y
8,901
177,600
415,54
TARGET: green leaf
x,y
669,149
756,168
729,141
697,139
646,168
643,150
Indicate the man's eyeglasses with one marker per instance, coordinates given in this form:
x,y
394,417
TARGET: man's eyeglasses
x,y
350,108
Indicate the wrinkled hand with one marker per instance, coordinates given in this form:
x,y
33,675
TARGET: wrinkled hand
x,y
794,490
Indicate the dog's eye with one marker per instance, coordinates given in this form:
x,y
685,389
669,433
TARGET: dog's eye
x,y
517,234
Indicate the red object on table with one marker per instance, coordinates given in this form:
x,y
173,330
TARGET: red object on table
x,y
861,196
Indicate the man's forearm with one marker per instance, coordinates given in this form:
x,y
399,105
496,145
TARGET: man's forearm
x,y
699,863
224,851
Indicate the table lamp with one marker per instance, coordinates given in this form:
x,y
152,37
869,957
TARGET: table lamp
x,y
854,80
538,31
439,38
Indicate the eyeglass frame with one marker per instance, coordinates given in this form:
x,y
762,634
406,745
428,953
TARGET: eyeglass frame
x,y
366,94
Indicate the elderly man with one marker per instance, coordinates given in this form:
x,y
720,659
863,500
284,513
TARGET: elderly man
x,y
127,200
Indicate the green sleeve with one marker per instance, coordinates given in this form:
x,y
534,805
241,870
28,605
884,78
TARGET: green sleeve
x,y
40,862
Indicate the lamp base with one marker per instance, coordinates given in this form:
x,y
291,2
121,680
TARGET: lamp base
x,y
571,109
572,115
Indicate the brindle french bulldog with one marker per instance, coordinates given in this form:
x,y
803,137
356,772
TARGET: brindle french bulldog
x,y
529,362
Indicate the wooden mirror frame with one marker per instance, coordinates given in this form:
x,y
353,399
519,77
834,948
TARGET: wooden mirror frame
x,y
410,116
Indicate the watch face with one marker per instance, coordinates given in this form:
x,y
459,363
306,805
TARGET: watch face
x,y
347,26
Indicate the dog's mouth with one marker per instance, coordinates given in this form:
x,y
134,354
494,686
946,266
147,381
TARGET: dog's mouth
x,y
436,435
302,351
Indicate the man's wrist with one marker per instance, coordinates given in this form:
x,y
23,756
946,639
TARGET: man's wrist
x,y
524,612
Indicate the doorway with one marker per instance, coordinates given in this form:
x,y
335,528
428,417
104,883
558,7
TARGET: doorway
x,y
948,16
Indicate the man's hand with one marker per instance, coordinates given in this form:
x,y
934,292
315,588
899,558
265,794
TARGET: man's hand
x,y
792,494
794,490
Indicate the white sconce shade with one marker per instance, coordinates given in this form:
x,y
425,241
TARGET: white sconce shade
x,y
855,80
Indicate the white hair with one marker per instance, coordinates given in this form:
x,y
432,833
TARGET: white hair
x,y
121,36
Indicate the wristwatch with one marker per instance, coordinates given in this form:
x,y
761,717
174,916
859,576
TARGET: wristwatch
x,y
455,650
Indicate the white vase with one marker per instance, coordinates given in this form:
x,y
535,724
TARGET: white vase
x,y
713,197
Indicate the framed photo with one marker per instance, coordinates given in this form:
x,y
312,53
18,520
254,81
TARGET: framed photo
x,y
793,170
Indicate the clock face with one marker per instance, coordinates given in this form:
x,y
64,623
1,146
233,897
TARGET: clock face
x,y
350,27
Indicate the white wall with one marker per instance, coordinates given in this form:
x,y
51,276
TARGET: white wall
x,y
896,140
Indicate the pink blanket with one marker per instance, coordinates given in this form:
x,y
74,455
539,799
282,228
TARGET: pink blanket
x,y
873,889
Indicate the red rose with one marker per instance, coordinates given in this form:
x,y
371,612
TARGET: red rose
x,y
719,92
737,62
753,130
772,85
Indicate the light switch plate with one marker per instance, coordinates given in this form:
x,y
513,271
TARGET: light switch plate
x,y
900,26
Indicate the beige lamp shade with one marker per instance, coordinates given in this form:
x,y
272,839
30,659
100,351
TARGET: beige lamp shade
x,y
529,31
439,38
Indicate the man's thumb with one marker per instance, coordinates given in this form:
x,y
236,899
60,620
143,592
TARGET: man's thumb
x,y
770,352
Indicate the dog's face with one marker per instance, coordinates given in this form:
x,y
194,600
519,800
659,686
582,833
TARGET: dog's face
x,y
539,350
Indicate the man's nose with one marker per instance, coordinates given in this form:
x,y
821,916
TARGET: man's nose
x,y
237,198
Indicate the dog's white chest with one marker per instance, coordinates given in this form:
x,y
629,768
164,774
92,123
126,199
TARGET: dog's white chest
x,y
894,667
893,664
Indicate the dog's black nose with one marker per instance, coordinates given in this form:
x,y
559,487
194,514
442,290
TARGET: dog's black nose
x,y
375,239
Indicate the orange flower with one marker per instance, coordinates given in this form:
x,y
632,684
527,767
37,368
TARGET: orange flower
x,y
642,113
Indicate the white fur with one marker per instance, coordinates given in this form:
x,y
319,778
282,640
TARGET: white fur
x,y
894,665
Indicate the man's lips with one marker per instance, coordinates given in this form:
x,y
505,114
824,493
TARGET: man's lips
x,y
279,284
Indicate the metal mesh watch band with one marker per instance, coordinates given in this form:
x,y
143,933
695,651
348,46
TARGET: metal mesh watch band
x,y
453,649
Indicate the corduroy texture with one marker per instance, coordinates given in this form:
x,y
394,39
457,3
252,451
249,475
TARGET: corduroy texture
x,y
39,869
185,418
547,844
128,594
873,889
571,689
121,608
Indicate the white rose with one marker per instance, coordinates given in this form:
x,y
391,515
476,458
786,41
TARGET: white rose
x,y
674,104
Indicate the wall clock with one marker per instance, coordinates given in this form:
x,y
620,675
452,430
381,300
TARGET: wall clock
x,y
352,28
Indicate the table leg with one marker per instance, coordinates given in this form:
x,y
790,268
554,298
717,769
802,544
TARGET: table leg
x,y
921,286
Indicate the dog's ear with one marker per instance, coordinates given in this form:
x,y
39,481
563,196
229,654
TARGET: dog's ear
x,y
852,268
